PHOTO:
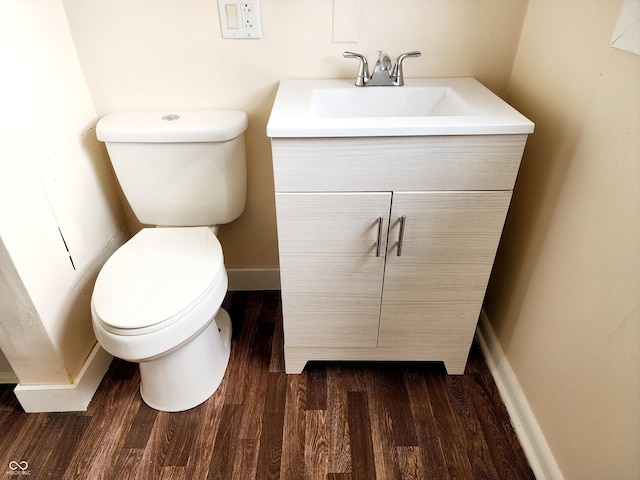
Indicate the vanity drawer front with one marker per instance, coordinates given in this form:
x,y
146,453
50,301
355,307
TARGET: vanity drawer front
x,y
473,162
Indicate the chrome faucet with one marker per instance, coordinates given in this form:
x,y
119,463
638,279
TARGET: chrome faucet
x,y
383,73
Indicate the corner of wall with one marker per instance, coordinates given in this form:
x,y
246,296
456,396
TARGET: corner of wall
x,y
517,51
524,422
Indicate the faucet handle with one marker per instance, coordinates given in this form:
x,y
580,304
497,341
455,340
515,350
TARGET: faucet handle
x,y
397,75
363,69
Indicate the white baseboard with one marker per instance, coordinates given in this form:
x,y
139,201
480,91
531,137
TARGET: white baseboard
x,y
254,279
524,422
67,398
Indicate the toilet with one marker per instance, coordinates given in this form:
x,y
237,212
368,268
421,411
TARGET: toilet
x,y
157,300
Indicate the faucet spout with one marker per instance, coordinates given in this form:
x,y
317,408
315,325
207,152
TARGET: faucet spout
x,y
384,61
382,71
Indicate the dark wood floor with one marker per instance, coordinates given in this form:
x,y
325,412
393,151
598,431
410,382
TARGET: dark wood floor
x,y
346,421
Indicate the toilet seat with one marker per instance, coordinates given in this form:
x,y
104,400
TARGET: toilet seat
x,y
156,278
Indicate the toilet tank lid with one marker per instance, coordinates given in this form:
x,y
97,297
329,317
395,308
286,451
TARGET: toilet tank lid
x,y
171,126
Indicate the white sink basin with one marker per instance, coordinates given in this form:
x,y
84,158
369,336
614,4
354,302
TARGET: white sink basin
x,y
387,102
423,106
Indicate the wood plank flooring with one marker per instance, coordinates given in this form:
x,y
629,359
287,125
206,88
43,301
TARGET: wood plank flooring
x,y
336,421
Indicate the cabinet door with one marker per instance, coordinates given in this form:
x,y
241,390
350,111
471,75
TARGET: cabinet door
x,y
331,278
433,291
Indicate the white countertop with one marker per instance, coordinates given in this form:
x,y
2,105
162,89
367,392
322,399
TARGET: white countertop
x,y
295,112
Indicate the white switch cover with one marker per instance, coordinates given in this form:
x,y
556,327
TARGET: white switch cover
x,y
240,19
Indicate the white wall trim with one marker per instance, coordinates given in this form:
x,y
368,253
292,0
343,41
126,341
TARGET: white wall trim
x,y
524,422
254,279
67,398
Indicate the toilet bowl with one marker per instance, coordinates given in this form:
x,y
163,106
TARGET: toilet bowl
x,y
157,302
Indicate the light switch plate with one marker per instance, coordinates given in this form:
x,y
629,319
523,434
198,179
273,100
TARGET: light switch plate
x,y
240,19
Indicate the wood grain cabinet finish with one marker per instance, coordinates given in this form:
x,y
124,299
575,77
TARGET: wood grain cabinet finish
x,y
386,244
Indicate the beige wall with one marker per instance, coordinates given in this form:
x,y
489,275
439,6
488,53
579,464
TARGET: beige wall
x,y
53,176
7,374
564,298
151,54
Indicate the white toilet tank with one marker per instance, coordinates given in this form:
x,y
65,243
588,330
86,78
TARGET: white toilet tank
x,y
179,167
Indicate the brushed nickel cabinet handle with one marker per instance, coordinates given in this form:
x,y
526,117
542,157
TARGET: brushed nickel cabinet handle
x,y
379,241
403,220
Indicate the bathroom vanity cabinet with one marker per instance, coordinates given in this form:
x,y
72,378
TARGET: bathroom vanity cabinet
x,y
386,243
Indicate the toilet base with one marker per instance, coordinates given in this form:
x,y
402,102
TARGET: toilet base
x,y
187,376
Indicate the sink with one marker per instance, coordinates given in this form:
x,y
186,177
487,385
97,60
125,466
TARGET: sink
x,y
423,106
387,102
